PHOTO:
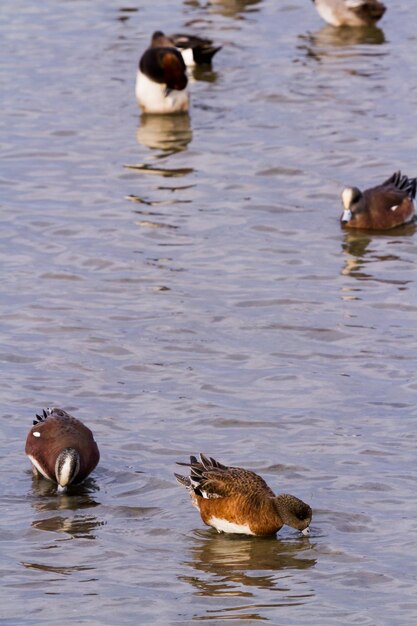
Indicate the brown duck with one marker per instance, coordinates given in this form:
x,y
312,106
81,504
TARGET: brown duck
x,y
236,500
61,448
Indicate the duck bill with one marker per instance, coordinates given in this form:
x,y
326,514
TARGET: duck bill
x,y
346,216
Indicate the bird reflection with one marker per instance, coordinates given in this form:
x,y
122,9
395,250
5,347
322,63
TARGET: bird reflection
x,y
170,133
355,247
80,526
50,504
71,499
203,73
230,8
124,13
329,41
358,254
235,564
56,569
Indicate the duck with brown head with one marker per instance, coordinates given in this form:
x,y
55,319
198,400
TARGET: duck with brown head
x,y
236,500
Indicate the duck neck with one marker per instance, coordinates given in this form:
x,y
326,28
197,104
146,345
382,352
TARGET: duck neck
x,y
293,511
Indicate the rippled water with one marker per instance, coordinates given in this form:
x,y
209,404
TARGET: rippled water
x,y
184,285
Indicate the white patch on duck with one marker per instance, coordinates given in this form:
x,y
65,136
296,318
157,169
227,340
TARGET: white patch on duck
x,y
327,13
347,195
347,215
354,4
222,525
38,467
188,56
152,97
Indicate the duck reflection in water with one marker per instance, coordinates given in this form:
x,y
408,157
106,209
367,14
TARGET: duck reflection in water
x,y
234,563
79,526
232,8
360,256
80,496
46,504
354,248
330,43
169,133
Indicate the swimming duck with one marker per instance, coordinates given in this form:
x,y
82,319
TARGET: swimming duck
x,y
161,79
386,206
236,500
61,448
350,12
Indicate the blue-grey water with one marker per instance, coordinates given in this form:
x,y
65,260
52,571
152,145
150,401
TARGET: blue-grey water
x,y
183,285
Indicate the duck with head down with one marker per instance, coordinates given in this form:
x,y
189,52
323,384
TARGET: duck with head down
x,y
195,50
236,500
61,448
161,79
350,12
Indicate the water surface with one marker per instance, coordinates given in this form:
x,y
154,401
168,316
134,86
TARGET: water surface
x,y
184,285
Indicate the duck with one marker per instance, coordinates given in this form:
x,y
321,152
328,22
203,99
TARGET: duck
x,y
161,78
61,448
382,207
350,12
195,50
236,500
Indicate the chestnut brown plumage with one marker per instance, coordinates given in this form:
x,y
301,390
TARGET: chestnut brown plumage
x,y
382,207
236,500
61,448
